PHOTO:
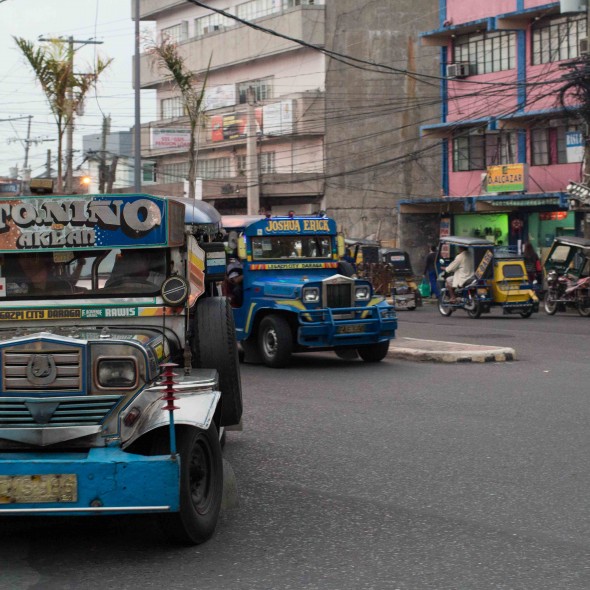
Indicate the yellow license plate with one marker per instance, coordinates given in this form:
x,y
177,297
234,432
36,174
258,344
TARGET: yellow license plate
x,y
22,489
351,329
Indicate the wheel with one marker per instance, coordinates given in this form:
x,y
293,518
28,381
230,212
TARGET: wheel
x,y
275,341
526,314
444,307
374,353
472,306
214,346
550,304
201,484
583,307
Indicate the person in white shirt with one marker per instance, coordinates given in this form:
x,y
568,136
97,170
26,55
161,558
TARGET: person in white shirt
x,y
462,269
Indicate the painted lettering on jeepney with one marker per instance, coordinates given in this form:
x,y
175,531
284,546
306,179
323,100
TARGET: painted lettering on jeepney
x,y
295,226
76,222
483,265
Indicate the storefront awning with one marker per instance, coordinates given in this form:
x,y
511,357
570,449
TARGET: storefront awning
x,y
485,203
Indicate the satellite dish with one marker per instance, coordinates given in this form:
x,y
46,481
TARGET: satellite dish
x,y
232,240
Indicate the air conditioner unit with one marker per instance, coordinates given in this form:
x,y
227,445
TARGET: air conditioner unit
x,y
458,70
583,47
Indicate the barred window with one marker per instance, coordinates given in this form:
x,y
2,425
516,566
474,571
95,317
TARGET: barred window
x,y
548,143
212,23
475,151
169,173
486,52
176,33
171,107
214,168
556,39
262,90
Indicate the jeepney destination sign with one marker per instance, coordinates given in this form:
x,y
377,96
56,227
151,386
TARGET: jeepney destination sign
x,y
80,222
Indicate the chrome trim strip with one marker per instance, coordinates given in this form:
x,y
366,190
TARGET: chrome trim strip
x,y
87,509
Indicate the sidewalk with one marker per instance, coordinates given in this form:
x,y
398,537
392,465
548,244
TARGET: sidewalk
x,y
437,351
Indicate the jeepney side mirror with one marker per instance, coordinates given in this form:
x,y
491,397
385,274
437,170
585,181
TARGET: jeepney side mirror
x,y
242,248
341,245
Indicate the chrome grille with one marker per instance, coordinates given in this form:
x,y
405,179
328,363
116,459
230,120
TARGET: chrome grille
x,y
16,377
74,411
339,295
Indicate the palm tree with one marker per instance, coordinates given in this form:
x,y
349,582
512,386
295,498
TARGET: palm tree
x,y
52,64
167,57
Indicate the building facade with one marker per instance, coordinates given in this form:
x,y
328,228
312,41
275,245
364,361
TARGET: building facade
x,y
333,134
287,82
509,141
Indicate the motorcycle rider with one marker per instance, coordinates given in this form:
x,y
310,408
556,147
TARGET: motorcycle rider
x,y
462,269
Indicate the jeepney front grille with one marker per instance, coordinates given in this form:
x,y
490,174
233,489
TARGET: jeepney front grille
x,y
339,295
72,411
45,370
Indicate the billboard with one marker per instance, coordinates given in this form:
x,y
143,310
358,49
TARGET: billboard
x,y
508,178
574,146
172,139
233,125
219,96
278,118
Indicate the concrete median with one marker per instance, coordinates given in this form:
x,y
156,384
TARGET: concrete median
x,y
436,351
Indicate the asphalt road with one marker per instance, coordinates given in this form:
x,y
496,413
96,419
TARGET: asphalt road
x,y
400,475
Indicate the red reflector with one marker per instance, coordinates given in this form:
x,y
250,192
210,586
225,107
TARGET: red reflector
x,y
131,417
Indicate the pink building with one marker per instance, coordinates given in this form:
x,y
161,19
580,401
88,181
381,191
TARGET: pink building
x,y
509,147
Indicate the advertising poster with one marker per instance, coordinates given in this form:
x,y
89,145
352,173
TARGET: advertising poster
x,y
233,125
173,139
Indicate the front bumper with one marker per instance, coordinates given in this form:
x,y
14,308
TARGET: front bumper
x,y
348,326
108,481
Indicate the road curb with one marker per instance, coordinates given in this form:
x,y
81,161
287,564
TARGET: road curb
x,y
436,351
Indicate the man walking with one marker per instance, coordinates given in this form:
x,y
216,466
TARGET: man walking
x,y
430,271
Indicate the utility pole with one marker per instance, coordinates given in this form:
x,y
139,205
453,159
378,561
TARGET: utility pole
x,y
70,103
252,176
136,82
48,165
102,171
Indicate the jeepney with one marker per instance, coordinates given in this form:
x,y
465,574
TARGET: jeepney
x,y
101,297
295,297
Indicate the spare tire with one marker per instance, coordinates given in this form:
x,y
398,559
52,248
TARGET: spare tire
x,y
214,346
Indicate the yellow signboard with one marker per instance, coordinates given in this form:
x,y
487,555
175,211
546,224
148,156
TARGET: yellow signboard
x,y
509,178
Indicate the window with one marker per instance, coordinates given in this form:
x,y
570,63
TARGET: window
x,y
257,9
148,172
172,107
486,52
214,168
278,247
292,3
476,151
170,173
548,144
177,33
266,163
262,90
212,23
555,39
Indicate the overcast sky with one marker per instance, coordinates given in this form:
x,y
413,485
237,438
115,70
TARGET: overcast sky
x,y
108,21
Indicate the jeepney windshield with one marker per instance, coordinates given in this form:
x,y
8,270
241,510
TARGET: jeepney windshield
x,y
292,247
87,273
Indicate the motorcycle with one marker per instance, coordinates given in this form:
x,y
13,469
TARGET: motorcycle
x,y
471,297
566,291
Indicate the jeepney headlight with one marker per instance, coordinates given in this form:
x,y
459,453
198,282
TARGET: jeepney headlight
x,y
117,372
311,294
363,293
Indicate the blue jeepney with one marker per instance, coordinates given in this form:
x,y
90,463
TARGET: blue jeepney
x,y
295,295
101,296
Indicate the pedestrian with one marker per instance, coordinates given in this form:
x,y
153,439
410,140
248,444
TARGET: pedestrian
x,y
532,263
430,272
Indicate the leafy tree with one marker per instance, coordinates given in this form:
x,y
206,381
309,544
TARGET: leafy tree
x,y
167,57
52,63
